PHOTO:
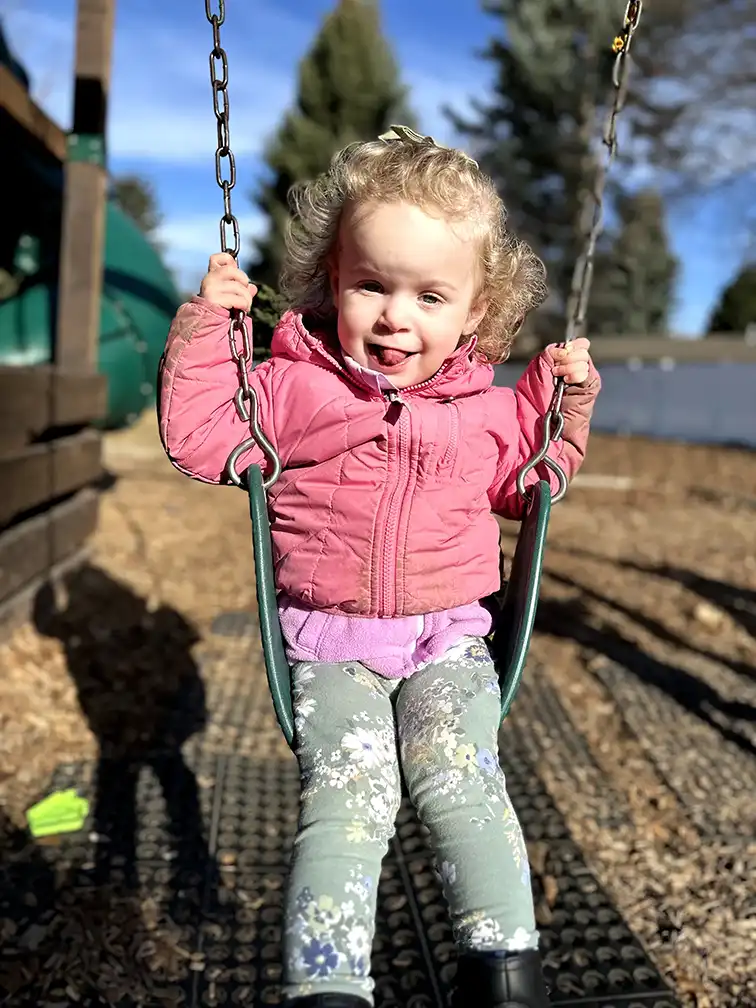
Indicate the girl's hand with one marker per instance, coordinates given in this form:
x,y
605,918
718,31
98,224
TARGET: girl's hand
x,y
226,285
573,362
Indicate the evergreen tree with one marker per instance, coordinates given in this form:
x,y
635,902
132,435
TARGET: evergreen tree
x,y
635,272
136,198
537,136
348,89
736,310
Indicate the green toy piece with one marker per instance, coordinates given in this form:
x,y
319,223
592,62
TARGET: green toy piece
x,y
60,812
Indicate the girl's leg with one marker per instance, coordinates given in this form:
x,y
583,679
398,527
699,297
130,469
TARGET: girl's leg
x,y
448,719
351,791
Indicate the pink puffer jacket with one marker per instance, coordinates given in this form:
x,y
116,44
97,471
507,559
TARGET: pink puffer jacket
x,y
383,508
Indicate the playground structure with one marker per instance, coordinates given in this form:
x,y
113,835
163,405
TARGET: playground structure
x,y
85,302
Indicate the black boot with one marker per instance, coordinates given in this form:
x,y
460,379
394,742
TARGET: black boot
x,y
503,980
328,1001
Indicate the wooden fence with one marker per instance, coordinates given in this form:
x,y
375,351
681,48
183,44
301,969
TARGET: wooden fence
x,y
50,447
50,470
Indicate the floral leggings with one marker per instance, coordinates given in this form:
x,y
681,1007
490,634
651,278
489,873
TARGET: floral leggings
x,y
352,725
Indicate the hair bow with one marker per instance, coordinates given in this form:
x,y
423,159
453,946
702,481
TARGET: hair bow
x,y
410,136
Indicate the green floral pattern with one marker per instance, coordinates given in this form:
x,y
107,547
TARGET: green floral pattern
x,y
351,727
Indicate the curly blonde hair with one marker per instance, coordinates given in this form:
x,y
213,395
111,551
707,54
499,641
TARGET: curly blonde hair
x,y
433,178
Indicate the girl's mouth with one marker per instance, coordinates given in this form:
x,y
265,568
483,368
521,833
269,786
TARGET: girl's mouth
x,y
388,357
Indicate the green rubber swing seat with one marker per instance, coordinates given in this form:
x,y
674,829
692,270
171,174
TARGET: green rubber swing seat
x,y
515,606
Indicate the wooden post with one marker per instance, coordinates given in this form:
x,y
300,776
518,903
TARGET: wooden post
x,y
83,226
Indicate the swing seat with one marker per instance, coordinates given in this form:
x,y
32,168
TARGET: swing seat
x,y
515,606
518,600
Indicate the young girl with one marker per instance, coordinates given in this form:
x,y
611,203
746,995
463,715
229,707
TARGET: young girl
x,y
396,451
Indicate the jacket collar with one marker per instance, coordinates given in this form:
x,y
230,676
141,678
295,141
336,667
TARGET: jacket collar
x,y
461,374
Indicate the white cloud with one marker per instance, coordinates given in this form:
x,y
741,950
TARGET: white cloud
x,y
166,113
431,94
160,95
191,239
198,233
161,103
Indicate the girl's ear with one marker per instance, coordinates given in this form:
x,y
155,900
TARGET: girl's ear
x,y
476,316
332,265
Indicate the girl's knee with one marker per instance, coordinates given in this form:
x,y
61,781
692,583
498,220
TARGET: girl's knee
x,y
349,805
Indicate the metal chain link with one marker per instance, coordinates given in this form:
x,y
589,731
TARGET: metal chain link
x,y
219,82
245,399
582,277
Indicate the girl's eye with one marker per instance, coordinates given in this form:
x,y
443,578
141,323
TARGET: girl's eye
x,y
372,286
431,299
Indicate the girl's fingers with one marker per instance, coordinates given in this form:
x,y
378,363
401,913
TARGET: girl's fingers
x,y
223,266
220,260
575,350
573,376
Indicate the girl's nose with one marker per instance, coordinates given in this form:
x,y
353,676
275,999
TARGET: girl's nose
x,y
395,316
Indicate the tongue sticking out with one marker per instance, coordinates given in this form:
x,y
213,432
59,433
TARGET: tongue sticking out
x,y
387,356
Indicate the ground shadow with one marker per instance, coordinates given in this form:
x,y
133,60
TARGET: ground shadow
x,y
738,603
142,695
27,891
59,944
571,619
659,630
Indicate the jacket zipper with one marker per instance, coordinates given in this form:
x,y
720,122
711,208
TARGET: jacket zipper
x,y
388,545
389,556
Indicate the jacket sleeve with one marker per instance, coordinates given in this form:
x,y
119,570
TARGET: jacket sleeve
x,y
528,403
199,425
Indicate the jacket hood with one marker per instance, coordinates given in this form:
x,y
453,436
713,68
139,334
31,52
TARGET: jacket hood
x,y
462,374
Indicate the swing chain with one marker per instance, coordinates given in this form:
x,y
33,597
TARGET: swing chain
x,y
582,277
245,399
219,82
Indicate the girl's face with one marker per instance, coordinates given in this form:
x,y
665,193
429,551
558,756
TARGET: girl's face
x,y
404,285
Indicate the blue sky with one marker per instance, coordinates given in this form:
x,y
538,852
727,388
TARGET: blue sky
x,y
162,125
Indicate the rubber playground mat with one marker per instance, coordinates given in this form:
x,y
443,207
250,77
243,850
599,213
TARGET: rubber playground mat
x,y
207,837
